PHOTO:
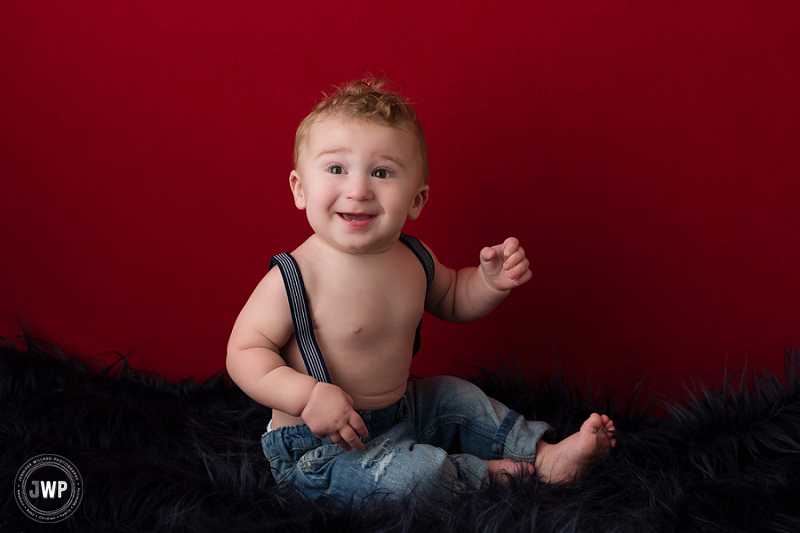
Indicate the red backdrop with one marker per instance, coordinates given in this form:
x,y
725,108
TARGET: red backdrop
x,y
646,154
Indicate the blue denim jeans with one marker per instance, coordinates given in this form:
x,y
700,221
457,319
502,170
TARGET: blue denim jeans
x,y
433,442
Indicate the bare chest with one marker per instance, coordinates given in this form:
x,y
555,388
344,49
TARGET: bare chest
x,y
368,308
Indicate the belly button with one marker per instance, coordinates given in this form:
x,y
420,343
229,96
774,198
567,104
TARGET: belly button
x,y
357,329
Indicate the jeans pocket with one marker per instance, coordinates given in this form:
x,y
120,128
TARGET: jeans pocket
x,y
311,473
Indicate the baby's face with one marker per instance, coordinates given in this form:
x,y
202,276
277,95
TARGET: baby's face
x,y
358,183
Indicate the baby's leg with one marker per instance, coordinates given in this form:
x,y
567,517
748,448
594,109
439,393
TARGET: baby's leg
x,y
567,461
448,411
572,458
456,415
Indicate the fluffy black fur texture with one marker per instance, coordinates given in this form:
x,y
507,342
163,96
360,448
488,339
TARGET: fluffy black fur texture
x,y
156,456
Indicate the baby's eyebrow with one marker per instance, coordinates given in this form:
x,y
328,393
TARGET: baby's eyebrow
x,y
336,151
395,160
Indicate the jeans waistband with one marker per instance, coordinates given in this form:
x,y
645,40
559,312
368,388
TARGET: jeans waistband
x,y
291,442
377,421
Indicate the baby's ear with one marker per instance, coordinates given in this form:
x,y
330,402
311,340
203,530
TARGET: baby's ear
x,y
297,190
419,202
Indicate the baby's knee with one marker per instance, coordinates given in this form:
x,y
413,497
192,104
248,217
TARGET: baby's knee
x,y
444,388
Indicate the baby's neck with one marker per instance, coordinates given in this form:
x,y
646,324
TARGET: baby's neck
x,y
319,245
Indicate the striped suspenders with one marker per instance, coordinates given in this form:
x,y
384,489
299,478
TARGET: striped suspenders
x,y
301,317
422,254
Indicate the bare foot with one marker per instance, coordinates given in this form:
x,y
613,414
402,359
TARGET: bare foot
x,y
572,458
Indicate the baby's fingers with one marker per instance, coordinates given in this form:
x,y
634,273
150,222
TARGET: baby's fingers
x,y
510,246
513,253
341,442
488,254
520,272
523,278
347,439
357,423
514,259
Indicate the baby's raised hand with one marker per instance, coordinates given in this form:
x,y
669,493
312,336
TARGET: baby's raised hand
x,y
505,266
329,413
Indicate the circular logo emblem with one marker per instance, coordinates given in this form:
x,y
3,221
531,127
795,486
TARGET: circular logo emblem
x,y
48,488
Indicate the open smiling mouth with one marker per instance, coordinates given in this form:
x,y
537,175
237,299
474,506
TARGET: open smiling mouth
x,y
355,217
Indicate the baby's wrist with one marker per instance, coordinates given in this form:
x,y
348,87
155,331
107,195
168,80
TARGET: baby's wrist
x,y
489,282
302,388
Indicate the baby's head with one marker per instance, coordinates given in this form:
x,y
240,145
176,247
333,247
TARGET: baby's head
x,y
368,100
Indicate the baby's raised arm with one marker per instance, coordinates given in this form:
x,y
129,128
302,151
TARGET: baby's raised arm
x,y
472,292
256,366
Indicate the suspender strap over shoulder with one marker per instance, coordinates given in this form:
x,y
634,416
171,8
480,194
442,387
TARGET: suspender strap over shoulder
x,y
426,260
422,254
301,317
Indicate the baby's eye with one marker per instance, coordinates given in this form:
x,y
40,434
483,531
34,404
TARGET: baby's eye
x,y
335,169
381,173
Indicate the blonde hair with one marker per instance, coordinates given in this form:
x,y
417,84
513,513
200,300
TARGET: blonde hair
x,y
370,100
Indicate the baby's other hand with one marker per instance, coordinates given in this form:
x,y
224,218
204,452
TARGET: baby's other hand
x,y
505,266
329,413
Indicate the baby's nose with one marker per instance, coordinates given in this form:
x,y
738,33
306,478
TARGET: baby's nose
x,y
358,188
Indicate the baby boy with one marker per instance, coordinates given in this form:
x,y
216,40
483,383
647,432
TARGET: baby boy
x,y
326,339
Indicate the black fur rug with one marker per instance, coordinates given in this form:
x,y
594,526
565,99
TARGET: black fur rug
x,y
156,456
